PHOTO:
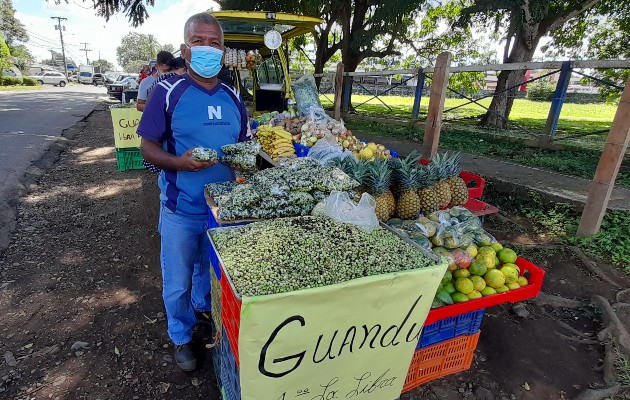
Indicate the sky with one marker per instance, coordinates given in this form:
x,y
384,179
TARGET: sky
x,y
166,22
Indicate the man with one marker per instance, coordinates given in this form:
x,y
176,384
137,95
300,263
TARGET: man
x,y
161,67
183,112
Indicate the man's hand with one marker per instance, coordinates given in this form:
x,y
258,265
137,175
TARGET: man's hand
x,y
187,163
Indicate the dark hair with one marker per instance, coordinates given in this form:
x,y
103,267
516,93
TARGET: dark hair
x,y
177,63
164,57
201,18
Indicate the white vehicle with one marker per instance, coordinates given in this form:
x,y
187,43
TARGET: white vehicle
x,y
51,78
86,74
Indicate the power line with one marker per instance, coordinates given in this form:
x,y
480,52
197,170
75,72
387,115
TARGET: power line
x,y
63,50
39,37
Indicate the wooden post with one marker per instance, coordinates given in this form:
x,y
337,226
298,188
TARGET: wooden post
x,y
338,91
415,112
439,85
607,169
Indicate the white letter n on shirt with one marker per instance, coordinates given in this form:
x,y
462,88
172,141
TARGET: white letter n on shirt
x,y
214,112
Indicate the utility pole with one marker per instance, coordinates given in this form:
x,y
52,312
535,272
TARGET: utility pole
x,y
63,49
86,51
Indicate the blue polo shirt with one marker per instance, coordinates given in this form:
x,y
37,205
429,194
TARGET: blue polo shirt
x,y
180,114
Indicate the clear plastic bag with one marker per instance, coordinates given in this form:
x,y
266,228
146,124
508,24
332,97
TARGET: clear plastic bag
x,y
327,149
306,96
339,207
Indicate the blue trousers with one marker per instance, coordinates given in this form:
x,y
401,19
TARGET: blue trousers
x,y
184,255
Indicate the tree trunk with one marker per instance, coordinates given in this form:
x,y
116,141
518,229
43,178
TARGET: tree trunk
x,y
522,51
350,62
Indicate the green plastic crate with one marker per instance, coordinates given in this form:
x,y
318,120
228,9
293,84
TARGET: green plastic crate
x,y
129,159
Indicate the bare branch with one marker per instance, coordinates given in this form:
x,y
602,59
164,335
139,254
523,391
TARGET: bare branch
x,y
557,20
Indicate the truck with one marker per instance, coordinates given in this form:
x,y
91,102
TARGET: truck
x,y
86,74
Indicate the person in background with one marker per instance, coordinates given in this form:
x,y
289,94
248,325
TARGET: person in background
x,y
192,110
163,59
177,66
144,72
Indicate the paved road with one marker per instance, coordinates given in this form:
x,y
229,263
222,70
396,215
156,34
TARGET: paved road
x,y
29,122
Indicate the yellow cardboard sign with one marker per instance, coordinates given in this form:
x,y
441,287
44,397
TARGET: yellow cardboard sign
x,y
125,122
350,341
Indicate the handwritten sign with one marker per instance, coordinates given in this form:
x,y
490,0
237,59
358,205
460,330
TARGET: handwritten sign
x,y
125,122
350,341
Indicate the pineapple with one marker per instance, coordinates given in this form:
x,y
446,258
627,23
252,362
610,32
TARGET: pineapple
x,y
428,195
459,190
441,166
408,205
378,184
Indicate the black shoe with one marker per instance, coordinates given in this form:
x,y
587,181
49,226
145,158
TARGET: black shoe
x,y
185,357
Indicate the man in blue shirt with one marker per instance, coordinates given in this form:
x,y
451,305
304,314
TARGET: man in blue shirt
x,y
192,110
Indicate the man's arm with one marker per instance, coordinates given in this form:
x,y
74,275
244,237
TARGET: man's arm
x,y
155,154
140,105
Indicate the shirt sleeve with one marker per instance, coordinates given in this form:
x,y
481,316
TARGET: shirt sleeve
x,y
246,133
143,91
153,122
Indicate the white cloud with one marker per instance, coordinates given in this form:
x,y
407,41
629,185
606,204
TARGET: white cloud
x,y
83,26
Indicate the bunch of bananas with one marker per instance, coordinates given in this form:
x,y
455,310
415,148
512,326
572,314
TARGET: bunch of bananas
x,y
275,141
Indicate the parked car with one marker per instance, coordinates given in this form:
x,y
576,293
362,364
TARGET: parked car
x,y
51,78
116,89
73,78
98,79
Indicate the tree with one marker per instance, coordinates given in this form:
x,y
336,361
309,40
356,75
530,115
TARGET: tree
x,y
602,32
522,24
135,10
22,57
137,46
102,65
14,30
134,66
5,55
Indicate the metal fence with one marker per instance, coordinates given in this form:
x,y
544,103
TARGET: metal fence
x,y
410,86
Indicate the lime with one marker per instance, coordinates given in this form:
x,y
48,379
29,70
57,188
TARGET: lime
x,y
522,281
513,285
496,246
502,289
461,273
511,272
472,250
478,283
448,276
486,250
464,285
487,291
450,288
474,295
459,297
478,267
507,255
494,278
444,297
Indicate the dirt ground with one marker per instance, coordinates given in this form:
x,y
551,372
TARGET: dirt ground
x,y
82,315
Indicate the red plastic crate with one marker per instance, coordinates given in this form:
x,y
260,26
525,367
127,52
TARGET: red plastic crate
x,y
479,208
439,360
535,283
475,183
230,312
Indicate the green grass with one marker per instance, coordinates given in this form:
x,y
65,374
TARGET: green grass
x,y
574,118
20,88
560,221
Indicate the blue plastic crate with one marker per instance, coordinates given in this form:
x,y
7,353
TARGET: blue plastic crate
x,y
301,150
216,363
214,259
230,377
449,328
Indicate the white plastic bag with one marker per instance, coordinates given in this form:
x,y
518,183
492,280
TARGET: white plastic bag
x,y
339,207
327,149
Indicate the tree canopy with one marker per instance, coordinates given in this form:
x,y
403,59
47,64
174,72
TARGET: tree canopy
x,y
5,55
135,10
102,65
522,24
14,30
137,47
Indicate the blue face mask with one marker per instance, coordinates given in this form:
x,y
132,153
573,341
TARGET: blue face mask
x,y
205,60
